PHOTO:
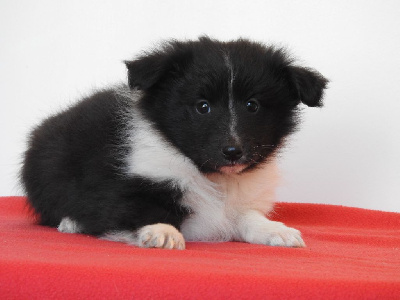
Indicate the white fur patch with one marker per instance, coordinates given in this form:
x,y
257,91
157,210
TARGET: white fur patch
x,y
233,114
217,214
155,158
67,225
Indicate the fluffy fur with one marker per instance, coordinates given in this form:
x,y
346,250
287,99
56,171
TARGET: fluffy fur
x,y
184,152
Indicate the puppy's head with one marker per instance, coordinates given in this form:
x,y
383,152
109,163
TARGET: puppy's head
x,y
226,105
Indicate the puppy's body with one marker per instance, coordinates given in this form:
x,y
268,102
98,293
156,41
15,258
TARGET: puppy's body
x,y
184,152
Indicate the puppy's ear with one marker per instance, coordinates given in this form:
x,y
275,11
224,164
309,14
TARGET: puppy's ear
x,y
308,84
144,72
150,69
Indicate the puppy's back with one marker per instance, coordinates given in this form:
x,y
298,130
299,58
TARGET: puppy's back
x,y
77,145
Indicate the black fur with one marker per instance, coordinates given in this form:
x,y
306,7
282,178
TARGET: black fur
x,y
75,160
72,168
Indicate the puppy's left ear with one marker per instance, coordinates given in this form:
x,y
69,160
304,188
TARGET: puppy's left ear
x,y
308,84
151,68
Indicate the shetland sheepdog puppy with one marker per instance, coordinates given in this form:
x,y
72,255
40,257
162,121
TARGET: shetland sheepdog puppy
x,y
185,151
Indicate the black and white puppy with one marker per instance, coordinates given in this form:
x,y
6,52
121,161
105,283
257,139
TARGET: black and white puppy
x,y
184,153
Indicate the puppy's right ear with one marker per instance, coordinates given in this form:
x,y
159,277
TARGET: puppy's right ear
x,y
309,85
150,69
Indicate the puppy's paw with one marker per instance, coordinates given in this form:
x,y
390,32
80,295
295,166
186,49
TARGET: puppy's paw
x,y
278,234
266,232
160,236
67,225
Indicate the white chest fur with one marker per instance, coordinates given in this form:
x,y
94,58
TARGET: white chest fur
x,y
217,211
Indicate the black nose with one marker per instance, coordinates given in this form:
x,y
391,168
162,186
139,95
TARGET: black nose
x,y
232,153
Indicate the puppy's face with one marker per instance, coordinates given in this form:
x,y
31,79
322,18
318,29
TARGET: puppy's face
x,y
226,106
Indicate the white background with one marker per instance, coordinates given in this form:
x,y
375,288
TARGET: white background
x,y
347,153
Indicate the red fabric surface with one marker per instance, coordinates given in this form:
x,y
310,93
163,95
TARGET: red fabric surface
x,y
351,254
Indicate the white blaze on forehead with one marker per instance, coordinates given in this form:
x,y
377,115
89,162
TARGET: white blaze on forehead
x,y
233,119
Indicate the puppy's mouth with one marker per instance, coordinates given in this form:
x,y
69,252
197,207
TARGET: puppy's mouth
x,y
233,168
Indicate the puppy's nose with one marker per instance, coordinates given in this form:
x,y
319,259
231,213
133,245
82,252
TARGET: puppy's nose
x,y
232,153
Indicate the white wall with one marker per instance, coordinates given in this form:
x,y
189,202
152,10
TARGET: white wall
x,y
347,153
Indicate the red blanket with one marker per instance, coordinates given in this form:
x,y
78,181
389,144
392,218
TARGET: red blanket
x,y
351,254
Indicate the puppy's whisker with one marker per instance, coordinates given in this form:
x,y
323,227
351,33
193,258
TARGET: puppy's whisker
x,y
253,161
259,155
264,146
202,165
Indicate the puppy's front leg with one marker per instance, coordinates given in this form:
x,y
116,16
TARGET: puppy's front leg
x,y
255,228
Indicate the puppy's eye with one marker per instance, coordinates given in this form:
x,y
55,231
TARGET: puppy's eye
x,y
203,107
252,105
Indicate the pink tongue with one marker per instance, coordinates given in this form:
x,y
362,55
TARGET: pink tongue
x,y
232,169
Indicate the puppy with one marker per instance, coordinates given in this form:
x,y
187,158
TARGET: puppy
x,y
184,152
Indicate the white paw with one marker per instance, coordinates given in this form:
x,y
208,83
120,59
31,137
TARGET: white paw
x,y
278,234
160,236
68,225
257,229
